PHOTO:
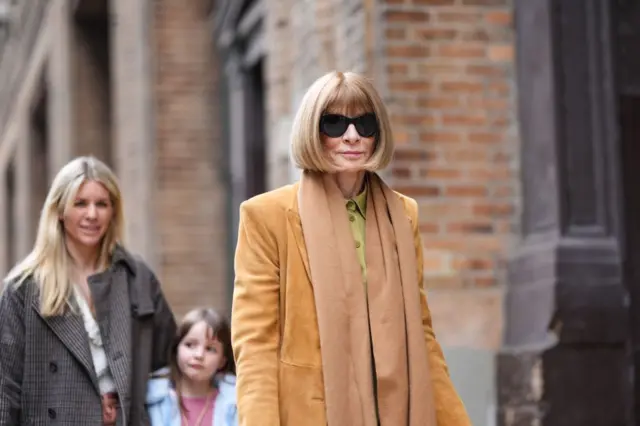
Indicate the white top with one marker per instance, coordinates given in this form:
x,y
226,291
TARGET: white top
x,y
100,362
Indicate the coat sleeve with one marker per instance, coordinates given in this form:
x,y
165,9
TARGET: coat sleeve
x,y
450,410
164,328
255,321
12,343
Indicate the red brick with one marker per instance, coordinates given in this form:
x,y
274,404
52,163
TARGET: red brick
x,y
495,209
406,17
470,227
433,2
438,69
460,209
448,282
396,33
429,228
435,34
493,173
465,191
466,155
489,104
410,85
440,173
478,242
398,69
407,51
411,154
414,120
499,17
486,138
484,282
400,172
439,103
474,264
486,70
500,53
503,191
459,17
474,119
485,2
440,137
461,87
418,190
400,137
462,50
479,35
500,88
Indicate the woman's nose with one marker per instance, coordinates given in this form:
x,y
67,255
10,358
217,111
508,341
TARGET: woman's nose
x,y
351,134
91,211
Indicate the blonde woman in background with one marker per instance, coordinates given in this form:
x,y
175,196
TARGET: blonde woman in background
x,y
82,322
330,323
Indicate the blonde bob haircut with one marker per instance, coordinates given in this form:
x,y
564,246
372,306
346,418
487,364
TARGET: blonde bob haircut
x,y
338,93
49,261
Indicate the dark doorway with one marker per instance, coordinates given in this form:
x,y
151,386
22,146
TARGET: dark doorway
x,y
255,154
39,157
92,79
627,63
10,207
630,150
239,32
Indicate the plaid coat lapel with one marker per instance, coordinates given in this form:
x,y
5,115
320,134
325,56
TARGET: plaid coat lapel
x,y
111,299
71,332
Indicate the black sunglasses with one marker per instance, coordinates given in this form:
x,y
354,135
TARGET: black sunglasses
x,y
334,125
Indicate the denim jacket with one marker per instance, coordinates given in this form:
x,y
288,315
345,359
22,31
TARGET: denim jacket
x,y
162,402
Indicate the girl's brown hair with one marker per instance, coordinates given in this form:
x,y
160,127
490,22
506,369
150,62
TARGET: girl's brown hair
x,y
219,329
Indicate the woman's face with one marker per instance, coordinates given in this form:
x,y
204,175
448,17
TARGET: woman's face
x,y
350,151
88,219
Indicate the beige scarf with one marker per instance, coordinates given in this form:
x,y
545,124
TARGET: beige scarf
x,y
405,395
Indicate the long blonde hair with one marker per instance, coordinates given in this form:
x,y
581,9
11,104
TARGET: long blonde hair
x,y
48,263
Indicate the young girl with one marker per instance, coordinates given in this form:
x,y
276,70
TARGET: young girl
x,y
201,387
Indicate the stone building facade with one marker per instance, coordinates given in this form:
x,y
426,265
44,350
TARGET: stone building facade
x,y
135,84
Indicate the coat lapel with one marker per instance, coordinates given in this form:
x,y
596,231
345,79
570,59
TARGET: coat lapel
x,y
295,228
111,298
69,328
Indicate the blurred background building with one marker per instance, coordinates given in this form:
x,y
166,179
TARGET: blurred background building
x,y
515,123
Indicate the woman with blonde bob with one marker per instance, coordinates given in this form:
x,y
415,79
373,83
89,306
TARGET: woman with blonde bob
x,y
82,322
330,323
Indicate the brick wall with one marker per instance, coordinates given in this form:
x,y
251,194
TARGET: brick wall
x,y
190,197
450,89
445,68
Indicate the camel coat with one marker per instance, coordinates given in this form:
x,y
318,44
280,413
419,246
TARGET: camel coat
x,y
274,325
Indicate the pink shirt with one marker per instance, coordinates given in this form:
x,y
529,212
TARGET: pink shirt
x,y
194,407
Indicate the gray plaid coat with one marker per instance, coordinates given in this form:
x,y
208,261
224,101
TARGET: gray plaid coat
x,y
46,370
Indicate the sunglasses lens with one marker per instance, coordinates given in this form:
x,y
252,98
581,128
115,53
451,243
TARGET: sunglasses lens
x,y
333,125
367,125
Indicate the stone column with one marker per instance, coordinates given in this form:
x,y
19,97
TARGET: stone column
x,y
134,145
59,72
566,360
23,241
